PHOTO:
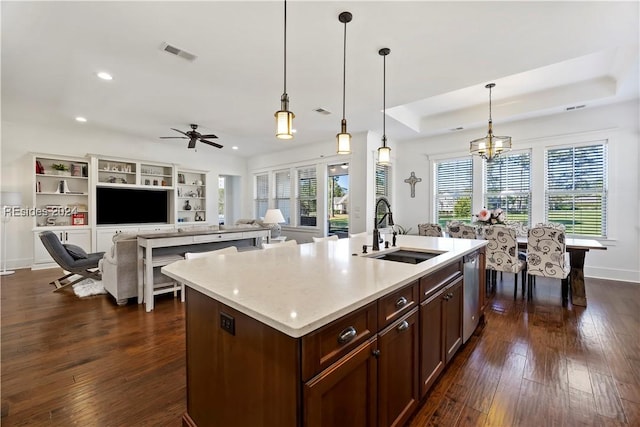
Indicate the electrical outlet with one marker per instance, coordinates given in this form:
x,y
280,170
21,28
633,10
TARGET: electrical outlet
x,y
228,323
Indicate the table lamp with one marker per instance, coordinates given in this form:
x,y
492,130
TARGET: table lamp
x,y
274,217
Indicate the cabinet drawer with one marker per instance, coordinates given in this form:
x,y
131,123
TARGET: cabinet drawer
x,y
430,283
329,343
392,306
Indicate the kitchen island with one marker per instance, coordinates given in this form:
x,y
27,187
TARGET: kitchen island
x,y
319,333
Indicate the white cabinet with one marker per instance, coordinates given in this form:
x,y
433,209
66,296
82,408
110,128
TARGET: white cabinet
x,y
74,236
118,172
191,196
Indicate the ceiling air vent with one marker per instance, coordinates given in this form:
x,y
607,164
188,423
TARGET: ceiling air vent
x,y
576,107
178,52
322,111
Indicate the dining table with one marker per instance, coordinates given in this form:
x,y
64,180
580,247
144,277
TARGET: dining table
x,y
577,249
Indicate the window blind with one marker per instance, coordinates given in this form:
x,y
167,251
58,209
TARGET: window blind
x,y
383,181
283,194
453,190
262,195
307,196
508,185
576,188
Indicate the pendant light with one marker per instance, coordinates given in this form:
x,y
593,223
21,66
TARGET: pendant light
x,y
490,146
344,137
284,117
384,152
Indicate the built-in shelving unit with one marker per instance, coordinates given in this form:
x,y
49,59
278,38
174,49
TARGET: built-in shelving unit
x,y
61,202
191,196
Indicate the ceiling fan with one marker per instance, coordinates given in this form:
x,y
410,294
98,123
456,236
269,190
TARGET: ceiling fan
x,y
193,136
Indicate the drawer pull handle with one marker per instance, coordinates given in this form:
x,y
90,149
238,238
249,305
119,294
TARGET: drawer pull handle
x,y
347,335
402,301
403,326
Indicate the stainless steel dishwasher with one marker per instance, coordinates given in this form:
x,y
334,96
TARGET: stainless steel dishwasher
x,y
471,295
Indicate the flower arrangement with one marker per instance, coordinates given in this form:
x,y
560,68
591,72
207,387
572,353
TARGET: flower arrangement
x,y
60,167
490,217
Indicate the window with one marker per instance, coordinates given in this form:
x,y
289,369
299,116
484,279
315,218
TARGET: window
x,y
283,194
508,185
576,188
261,195
221,199
383,181
453,190
307,201
383,189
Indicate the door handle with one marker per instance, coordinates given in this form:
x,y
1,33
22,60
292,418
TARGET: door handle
x,y
403,326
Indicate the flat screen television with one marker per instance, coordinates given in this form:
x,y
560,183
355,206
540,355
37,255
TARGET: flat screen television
x,y
131,206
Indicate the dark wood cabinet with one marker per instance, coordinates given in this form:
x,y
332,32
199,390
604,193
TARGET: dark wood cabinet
x,y
346,392
432,359
452,312
440,331
398,386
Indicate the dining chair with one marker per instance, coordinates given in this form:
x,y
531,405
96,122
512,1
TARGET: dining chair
x,y
555,225
327,238
547,256
459,230
521,229
430,229
285,244
502,254
205,254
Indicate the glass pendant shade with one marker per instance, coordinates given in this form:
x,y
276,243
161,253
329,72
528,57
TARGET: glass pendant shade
x,y
284,122
384,155
344,139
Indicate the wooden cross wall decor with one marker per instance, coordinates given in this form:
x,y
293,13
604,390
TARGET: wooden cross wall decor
x,y
412,181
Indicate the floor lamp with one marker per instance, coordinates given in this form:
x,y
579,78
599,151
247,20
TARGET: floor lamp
x,y
9,199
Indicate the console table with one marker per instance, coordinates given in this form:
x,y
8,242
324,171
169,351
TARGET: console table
x,y
148,242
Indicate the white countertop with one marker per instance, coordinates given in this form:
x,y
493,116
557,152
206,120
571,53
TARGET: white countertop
x,y
299,289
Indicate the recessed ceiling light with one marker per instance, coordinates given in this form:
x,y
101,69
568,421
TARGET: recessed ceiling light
x,y
81,119
234,147
105,76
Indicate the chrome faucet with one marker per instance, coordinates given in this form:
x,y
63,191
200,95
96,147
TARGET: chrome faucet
x,y
376,233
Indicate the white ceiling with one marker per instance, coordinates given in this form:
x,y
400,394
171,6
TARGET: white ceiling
x,y
543,56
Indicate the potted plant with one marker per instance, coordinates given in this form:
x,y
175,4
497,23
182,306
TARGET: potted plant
x,y
60,168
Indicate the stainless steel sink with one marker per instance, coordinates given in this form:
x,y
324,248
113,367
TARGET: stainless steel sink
x,y
406,256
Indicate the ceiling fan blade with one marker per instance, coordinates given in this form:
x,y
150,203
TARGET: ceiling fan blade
x,y
211,143
208,136
173,137
192,143
179,131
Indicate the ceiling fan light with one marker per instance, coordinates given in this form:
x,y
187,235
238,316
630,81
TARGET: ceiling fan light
x,y
384,155
344,139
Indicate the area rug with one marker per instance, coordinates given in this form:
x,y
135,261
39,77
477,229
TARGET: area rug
x,y
89,287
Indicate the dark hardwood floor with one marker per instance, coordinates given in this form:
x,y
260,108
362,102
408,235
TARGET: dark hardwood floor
x,y
87,362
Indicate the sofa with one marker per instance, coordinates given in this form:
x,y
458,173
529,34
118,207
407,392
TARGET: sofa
x,y
119,265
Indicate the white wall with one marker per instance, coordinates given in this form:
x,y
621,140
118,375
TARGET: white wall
x,y
618,124
19,140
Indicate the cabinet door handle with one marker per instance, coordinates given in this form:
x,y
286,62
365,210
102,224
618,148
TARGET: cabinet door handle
x,y
66,236
402,301
61,239
446,297
403,326
347,335
450,294
376,353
